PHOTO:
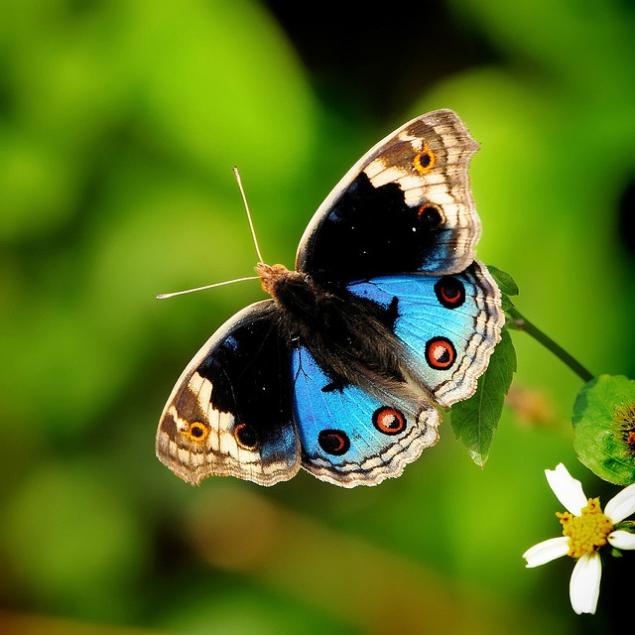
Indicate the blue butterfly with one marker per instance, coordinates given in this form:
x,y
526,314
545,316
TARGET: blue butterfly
x,y
386,318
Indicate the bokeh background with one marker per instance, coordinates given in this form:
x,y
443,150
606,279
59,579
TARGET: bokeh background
x,y
119,123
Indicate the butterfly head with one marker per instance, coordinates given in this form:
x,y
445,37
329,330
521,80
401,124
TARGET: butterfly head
x,y
271,276
290,289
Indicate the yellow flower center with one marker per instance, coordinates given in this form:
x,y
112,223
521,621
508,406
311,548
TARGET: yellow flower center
x,y
588,531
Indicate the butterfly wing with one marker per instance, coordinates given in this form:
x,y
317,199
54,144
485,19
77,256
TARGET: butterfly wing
x,y
448,325
350,437
230,412
406,205
404,210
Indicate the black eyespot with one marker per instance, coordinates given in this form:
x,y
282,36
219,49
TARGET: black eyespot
x,y
334,442
450,292
246,436
440,353
389,420
430,216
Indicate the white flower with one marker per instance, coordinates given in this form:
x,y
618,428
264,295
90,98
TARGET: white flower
x,y
586,528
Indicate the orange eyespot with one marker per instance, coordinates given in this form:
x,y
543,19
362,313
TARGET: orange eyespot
x,y
389,420
440,353
246,436
198,431
424,161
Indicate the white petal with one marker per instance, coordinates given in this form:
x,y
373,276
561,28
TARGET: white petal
x,y
621,539
567,489
546,551
622,505
584,588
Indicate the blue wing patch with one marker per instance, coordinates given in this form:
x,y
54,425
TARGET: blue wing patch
x,y
449,325
349,437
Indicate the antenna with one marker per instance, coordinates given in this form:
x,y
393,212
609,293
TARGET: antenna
x,y
251,223
165,296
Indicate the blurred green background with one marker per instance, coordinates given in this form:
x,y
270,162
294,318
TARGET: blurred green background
x,y
119,123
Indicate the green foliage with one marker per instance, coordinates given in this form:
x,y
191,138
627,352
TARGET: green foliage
x,y
63,514
475,420
505,282
507,286
119,124
604,423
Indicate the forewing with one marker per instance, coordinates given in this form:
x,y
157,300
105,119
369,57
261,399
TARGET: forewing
x,y
405,206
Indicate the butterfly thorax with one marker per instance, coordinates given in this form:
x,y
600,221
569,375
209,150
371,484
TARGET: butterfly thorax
x,y
294,292
346,334
300,299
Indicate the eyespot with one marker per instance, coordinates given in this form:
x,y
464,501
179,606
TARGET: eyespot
x,y
424,161
450,292
440,353
197,431
246,436
430,216
389,420
334,442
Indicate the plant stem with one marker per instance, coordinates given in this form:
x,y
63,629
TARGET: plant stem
x,y
521,323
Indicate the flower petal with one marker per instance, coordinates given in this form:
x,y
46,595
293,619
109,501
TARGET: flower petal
x,y
584,588
622,505
567,489
621,539
546,551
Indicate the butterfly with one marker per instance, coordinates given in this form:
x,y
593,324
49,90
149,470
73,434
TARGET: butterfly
x,y
386,319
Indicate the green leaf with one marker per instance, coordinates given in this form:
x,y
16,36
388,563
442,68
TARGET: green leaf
x,y
474,421
504,281
626,525
604,425
507,305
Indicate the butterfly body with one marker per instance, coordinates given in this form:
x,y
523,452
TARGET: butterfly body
x,y
386,317
350,336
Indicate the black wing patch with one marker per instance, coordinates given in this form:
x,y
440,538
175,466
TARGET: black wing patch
x,y
230,413
405,206
371,231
